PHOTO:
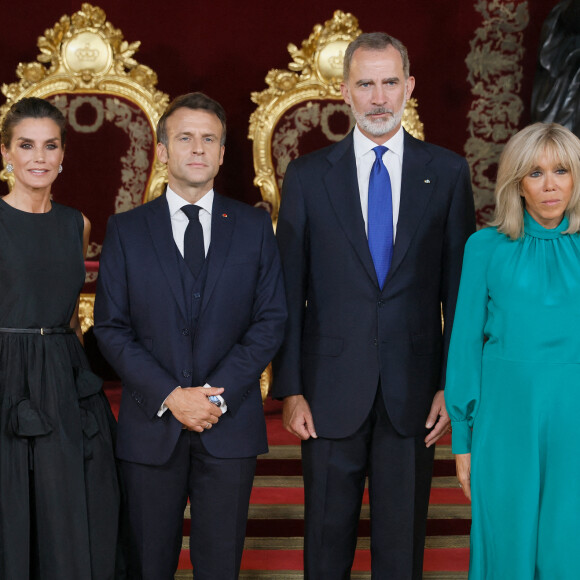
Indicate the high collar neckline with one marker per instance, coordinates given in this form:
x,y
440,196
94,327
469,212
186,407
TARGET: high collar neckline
x,y
533,228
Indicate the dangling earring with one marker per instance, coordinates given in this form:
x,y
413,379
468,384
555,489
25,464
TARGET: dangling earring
x,y
9,168
60,168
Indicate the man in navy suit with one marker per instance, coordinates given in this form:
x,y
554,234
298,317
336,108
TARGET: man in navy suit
x,y
371,233
190,308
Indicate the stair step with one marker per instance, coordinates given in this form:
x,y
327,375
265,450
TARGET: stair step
x,y
297,543
449,481
299,575
293,512
442,452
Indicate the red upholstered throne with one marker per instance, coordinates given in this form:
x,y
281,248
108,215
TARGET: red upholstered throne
x,y
87,69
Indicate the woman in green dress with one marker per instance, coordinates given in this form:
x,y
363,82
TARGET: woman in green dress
x,y
513,374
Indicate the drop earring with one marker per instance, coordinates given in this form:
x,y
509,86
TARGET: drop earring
x,y
60,168
9,168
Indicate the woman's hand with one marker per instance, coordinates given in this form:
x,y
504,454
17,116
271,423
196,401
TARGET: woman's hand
x,y
463,466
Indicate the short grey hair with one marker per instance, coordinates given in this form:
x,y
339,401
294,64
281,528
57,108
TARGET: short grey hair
x,y
375,41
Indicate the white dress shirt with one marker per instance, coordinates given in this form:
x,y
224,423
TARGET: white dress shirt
x,y
393,160
179,220
179,223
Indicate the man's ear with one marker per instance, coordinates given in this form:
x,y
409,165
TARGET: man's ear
x,y
162,153
409,86
345,93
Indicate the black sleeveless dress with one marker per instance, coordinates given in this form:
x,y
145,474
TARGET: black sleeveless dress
x,y
59,494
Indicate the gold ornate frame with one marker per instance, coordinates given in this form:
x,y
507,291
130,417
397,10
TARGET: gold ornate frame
x,y
84,53
314,74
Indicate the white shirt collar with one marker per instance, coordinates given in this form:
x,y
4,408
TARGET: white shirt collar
x,y
176,202
362,144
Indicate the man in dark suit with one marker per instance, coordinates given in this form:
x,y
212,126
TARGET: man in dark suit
x,y
371,233
190,308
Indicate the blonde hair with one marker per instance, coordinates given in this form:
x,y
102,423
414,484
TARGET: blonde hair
x,y
519,157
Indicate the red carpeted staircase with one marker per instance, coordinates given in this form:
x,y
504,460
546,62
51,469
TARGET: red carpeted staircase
x,y
275,527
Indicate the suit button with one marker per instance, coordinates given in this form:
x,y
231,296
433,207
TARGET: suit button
x,y
381,303
197,295
375,342
185,332
186,373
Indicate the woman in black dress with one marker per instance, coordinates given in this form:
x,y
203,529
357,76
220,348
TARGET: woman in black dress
x,y
59,494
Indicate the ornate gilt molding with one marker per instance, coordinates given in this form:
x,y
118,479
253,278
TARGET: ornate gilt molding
x,y
86,308
495,75
315,73
84,53
266,381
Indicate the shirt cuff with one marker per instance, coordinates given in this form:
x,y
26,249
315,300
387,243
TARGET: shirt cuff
x,y
164,407
223,405
460,437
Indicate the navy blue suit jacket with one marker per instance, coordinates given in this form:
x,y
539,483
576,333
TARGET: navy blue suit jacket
x,y
344,333
142,327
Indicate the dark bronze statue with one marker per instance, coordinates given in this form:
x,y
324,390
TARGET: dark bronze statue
x,y
556,92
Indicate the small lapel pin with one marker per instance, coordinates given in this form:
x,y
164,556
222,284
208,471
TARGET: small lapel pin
x,y
427,181
224,215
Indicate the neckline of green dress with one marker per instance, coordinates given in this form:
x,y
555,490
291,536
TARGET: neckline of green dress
x,y
533,228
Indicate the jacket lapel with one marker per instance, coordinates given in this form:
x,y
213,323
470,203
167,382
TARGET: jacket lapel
x,y
159,223
342,187
417,185
223,221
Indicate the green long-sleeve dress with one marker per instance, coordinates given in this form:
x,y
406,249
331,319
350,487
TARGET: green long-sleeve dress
x,y
513,376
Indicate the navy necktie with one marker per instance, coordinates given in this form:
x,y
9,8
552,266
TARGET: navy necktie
x,y
193,248
380,216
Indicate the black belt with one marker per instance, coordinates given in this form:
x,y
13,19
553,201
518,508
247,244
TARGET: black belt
x,y
43,331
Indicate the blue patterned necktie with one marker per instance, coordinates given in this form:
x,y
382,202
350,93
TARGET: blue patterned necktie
x,y
380,216
193,248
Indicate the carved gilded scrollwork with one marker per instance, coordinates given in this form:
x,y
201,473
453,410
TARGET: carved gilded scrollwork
x,y
86,308
266,381
84,53
495,75
314,74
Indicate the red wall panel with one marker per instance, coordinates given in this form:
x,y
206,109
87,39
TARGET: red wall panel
x,y
225,48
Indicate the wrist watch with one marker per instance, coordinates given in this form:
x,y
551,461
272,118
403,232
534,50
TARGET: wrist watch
x,y
215,400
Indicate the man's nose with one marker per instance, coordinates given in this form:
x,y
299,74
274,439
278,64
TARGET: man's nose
x,y
379,95
197,146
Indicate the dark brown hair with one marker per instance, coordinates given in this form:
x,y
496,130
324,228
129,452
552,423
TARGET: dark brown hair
x,y
31,108
196,102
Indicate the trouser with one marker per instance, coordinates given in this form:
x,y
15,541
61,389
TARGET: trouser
x,y
399,472
219,493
